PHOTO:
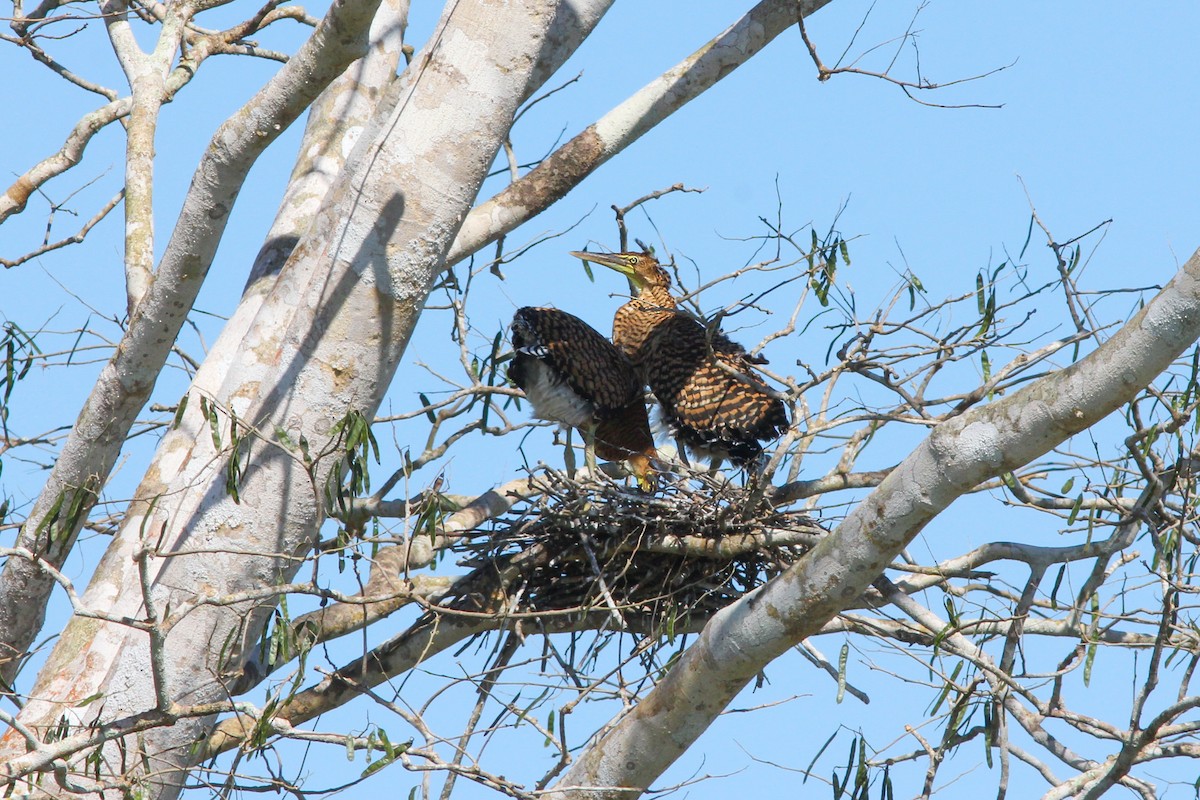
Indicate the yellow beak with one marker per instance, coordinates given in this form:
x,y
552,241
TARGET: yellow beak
x,y
614,261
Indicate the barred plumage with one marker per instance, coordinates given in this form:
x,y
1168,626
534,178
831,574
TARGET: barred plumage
x,y
710,398
572,374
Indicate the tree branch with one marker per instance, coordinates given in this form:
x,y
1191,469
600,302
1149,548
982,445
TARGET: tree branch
x,y
564,169
126,381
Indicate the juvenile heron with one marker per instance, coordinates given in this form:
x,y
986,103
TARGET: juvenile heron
x,y
710,397
573,375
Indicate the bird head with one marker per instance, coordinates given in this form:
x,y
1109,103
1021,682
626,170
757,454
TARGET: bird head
x,y
641,269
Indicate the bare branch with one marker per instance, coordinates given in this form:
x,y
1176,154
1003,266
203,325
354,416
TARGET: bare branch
x,y
824,73
571,163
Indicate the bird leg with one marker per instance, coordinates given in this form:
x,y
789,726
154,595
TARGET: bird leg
x,y
589,450
681,452
569,454
756,488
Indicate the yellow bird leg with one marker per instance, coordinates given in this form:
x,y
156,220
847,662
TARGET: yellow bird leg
x,y
638,465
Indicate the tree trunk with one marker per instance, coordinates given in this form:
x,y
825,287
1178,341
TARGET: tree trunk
x,y
325,342
125,383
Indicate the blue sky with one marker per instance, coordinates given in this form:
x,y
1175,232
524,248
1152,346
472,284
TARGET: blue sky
x,y
1098,121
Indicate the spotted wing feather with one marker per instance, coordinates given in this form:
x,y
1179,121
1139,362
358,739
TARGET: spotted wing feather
x,y
581,356
709,395
571,373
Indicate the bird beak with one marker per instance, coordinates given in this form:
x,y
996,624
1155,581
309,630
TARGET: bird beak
x,y
610,260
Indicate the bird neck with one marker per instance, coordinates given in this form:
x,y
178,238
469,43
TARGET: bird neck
x,y
656,298
636,321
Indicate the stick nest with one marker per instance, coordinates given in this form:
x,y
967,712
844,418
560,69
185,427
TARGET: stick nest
x,y
681,554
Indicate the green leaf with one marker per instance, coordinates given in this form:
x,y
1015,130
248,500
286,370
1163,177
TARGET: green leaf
x,y
426,403
393,754
10,370
1075,510
1062,570
1148,442
52,515
860,776
70,355
179,410
233,476
1087,664
387,744
945,690
988,314
841,675
951,611
284,439
210,411
80,502
91,698
1066,487
374,444
811,764
1074,260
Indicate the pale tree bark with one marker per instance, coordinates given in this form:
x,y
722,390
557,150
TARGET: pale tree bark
x,y
325,318
957,456
335,122
315,171
147,77
86,461
377,244
125,384
126,381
